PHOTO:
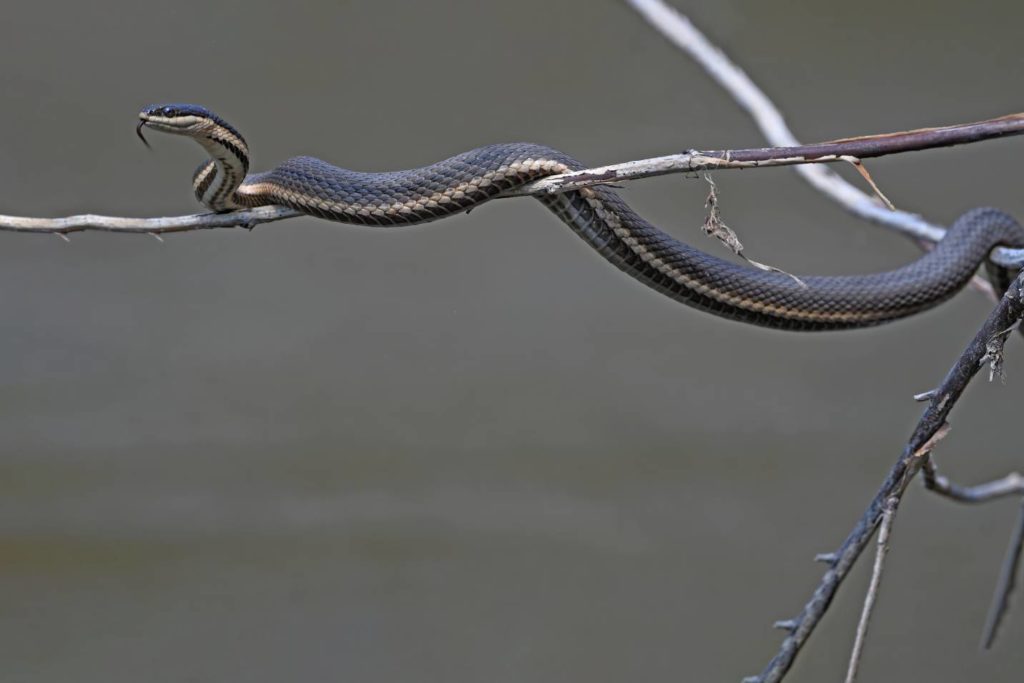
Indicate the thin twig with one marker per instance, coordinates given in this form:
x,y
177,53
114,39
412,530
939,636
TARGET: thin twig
x,y
882,548
1010,485
1005,584
930,428
147,226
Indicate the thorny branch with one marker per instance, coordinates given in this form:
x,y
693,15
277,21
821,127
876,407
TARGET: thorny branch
x,y
986,348
930,429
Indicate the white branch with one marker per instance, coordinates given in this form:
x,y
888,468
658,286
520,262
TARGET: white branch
x,y
150,226
684,35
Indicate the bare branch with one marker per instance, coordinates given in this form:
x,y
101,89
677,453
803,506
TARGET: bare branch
x,y
930,429
847,150
147,226
1010,485
684,35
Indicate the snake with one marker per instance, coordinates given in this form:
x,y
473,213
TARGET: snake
x,y
599,216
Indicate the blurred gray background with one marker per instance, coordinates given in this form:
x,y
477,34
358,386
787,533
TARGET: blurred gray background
x,y
474,450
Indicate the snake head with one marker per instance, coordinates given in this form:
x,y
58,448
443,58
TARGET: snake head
x,y
217,180
180,119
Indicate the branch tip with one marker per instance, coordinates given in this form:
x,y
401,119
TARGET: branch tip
x,y
786,625
1005,584
826,558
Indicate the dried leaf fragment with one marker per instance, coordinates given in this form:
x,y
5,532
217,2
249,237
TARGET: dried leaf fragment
x,y
716,227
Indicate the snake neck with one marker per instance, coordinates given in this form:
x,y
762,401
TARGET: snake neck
x,y
217,179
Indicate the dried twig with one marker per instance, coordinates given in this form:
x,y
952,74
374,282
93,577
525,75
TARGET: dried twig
x,y
1010,485
1005,584
147,226
882,548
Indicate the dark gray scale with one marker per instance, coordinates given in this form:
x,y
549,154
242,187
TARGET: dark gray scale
x,y
733,291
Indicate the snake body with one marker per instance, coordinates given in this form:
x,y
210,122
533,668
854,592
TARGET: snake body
x,y
596,214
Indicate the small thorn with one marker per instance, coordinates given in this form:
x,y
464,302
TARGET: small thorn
x,y
925,395
63,236
156,236
786,625
826,558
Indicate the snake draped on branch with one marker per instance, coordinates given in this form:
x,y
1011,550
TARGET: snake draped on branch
x,y
596,214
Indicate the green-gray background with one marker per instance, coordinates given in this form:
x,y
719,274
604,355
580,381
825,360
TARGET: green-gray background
x,y
474,451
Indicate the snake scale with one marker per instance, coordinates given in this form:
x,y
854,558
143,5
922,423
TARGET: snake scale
x,y
596,214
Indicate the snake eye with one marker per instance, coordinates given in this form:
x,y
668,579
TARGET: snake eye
x,y
168,111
